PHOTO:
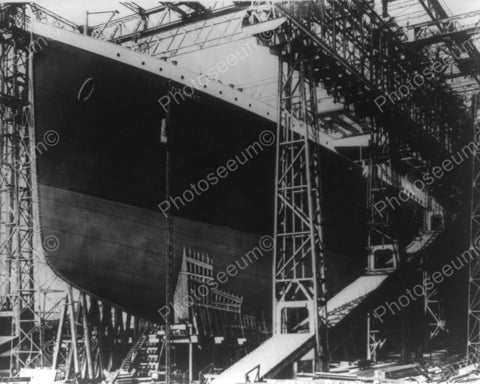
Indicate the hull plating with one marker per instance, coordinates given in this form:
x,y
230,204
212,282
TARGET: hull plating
x,y
101,185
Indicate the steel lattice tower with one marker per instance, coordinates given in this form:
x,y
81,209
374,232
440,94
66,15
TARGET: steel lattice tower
x,y
473,322
299,253
16,213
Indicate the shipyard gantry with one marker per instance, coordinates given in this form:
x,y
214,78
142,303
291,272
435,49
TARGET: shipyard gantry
x,y
381,97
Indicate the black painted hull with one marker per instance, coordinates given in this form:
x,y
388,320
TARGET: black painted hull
x,y
101,185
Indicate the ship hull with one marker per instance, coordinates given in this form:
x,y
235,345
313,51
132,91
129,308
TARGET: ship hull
x,y
102,183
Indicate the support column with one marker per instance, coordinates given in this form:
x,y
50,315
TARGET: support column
x,y
18,288
169,289
374,342
299,289
473,322
86,335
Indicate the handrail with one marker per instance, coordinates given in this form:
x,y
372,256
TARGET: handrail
x,y
133,352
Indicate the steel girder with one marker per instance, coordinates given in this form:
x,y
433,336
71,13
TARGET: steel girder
x,y
18,293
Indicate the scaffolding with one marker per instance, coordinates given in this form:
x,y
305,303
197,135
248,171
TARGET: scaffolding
x,y
473,322
299,252
92,337
19,288
357,56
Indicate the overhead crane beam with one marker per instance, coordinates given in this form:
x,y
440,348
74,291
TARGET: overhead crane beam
x,y
159,20
448,29
156,31
323,42
48,17
160,36
57,21
434,9
364,61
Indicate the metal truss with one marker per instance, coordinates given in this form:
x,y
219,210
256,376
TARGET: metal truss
x,y
434,9
364,58
73,350
18,301
446,39
460,26
411,11
299,252
464,86
374,343
473,322
379,184
134,354
88,336
434,321
374,59
169,244
381,233
45,16
405,12
458,34
175,28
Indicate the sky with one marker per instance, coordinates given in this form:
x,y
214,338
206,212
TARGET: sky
x,y
258,67
462,6
75,10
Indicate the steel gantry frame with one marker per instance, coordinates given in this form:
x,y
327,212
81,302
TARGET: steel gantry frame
x,y
175,28
433,315
16,200
473,322
464,25
353,77
374,70
457,34
19,289
381,235
89,335
299,251
360,61
331,37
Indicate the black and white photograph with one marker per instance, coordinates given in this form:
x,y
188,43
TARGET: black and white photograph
x,y
232,192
